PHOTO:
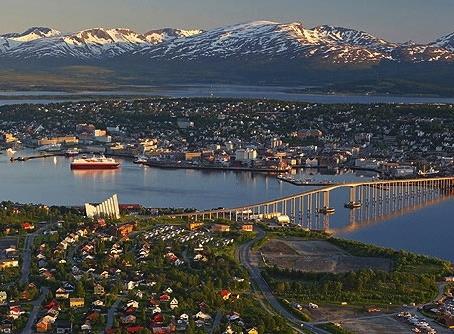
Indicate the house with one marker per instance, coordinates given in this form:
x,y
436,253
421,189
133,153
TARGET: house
x,y
203,316
134,329
15,312
132,303
98,289
43,326
98,303
164,297
157,319
61,293
63,327
128,319
225,294
76,302
6,326
104,274
247,228
8,263
195,226
52,305
233,316
3,297
92,316
220,228
174,303
125,229
27,226
164,330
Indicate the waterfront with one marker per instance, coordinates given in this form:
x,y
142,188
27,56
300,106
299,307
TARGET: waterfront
x,y
296,94
51,181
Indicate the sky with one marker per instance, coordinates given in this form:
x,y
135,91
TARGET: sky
x,y
394,20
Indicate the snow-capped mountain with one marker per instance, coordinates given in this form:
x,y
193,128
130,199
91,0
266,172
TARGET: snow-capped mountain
x,y
271,39
259,39
32,34
446,42
93,43
167,34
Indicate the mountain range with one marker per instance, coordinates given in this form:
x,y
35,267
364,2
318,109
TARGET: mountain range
x,y
259,52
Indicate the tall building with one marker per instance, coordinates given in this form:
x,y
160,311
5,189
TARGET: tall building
x,y
108,209
245,154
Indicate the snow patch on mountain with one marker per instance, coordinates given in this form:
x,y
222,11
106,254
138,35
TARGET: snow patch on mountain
x,y
251,40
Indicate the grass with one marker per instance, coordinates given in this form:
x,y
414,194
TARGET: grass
x,y
299,314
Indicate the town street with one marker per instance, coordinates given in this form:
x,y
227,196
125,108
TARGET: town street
x,y
34,312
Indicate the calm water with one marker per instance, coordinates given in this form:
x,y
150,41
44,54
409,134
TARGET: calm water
x,y
51,181
228,91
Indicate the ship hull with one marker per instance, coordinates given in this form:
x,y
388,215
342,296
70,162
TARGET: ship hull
x,y
94,166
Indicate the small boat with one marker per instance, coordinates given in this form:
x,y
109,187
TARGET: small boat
x,y
353,205
327,210
429,172
140,159
72,152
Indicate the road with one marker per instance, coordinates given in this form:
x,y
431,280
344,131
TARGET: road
x,y
27,253
216,322
111,314
262,285
34,313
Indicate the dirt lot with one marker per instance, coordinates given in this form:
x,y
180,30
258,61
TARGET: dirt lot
x,y
317,256
377,325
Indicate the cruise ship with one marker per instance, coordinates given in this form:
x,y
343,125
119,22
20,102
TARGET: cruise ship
x,y
95,163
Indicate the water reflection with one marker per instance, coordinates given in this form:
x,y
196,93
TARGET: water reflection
x,y
364,217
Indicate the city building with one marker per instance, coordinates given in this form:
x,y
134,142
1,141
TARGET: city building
x,y
246,154
76,302
220,228
108,209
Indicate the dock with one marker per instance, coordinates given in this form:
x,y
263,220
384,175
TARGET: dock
x,y
39,156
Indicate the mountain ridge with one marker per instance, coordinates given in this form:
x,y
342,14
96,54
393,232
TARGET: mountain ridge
x,y
257,52
338,45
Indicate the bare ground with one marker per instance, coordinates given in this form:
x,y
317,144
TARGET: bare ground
x,y
317,256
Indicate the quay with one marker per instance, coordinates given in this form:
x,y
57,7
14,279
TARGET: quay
x,y
222,168
39,156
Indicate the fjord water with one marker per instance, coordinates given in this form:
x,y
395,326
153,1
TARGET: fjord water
x,y
50,181
295,94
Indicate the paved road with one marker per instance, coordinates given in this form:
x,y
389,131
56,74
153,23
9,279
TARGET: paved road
x,y
216,322
111,314
34,313
27,254
254,272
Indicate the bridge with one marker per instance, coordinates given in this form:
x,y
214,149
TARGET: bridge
x,y
367,200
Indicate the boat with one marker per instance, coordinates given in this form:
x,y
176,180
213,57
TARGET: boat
x,y
353,205
72,152
10,151
141,159
429,172
327,210
94,162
